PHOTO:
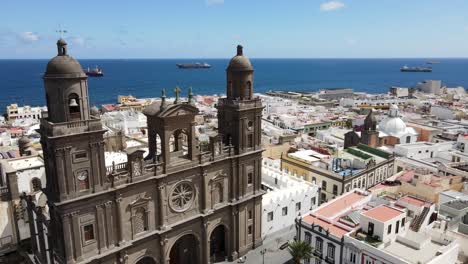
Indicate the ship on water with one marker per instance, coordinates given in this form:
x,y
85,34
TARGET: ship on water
x,y
415,69
193,65
96,72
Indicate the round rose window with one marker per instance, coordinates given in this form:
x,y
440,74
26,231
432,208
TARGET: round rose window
x,y
182,196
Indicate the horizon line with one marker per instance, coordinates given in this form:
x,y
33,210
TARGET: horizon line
x,y
253,58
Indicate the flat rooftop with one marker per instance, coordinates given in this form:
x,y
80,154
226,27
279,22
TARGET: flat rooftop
x,y
26,163
457,204
383,213
413,201
423,255
333,229
307,155
333,207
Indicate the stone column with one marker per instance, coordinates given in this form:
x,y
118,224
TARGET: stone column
x,y
101,227
67,172
94,173
206,241
234,235
109,225
118,215
163,242
60,173
77,236
162,206
205,190
101,165
67,237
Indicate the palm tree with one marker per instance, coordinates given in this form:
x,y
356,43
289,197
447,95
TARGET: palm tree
x,y
300,250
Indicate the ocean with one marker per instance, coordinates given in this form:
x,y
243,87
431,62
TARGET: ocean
x,y
21,80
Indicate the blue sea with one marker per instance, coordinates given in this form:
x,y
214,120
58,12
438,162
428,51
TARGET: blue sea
x,y
21,80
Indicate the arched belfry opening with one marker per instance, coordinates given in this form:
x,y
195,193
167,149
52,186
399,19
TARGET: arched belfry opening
x,y
175,125
74,110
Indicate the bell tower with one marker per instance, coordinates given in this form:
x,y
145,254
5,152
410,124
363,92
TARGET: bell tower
x,y
239,114
72,140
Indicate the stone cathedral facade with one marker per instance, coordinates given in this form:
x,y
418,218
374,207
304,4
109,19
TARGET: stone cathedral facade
x,y
179,204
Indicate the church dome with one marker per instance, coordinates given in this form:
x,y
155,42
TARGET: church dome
x,y
63,65
393,126
24,141
240,62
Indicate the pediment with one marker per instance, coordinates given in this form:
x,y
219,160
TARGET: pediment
x,y
140,200
218,177
179,110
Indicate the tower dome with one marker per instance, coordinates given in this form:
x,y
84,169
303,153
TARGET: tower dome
x,y
63,65
393,125
240,62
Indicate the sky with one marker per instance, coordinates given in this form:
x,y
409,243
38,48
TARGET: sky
x,y
212,28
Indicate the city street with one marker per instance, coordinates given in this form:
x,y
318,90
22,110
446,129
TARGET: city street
x,y
271,247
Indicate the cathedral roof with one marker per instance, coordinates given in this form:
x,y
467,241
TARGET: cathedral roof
x,y
240,62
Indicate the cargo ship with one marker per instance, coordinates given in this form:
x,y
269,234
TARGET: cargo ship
x,y
96,72
415,69
193,65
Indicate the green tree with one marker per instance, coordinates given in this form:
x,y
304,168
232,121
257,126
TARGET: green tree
x,y
300,250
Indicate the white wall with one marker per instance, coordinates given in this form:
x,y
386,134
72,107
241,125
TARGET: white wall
x,y
286,192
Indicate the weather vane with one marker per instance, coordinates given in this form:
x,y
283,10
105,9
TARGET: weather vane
x,y
61,31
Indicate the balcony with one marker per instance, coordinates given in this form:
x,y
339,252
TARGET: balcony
x,y
75,127
256,102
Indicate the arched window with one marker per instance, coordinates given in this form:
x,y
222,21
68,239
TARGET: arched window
x,y
74,106
36,184
408,139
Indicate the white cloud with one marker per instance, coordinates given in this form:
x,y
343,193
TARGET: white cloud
x,y
79,41
28,37
331,6
214,2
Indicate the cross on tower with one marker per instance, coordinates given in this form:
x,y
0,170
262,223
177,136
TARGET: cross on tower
x,y
177,94
61,31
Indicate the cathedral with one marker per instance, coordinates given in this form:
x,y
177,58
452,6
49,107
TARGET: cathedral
x,y
180,203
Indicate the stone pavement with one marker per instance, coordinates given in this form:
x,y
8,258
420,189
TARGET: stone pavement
x,y
273,255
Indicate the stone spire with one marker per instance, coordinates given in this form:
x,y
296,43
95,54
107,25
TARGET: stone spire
x,y
190,97
177,95
163,99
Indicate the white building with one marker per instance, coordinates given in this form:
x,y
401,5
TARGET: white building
x,y
128,121
14,111
21,175
360,228
462,143
430,86
286,198
422,150
442,112
394,126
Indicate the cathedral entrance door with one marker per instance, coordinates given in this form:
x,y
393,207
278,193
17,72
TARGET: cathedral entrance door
x,y
185,251
218,250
